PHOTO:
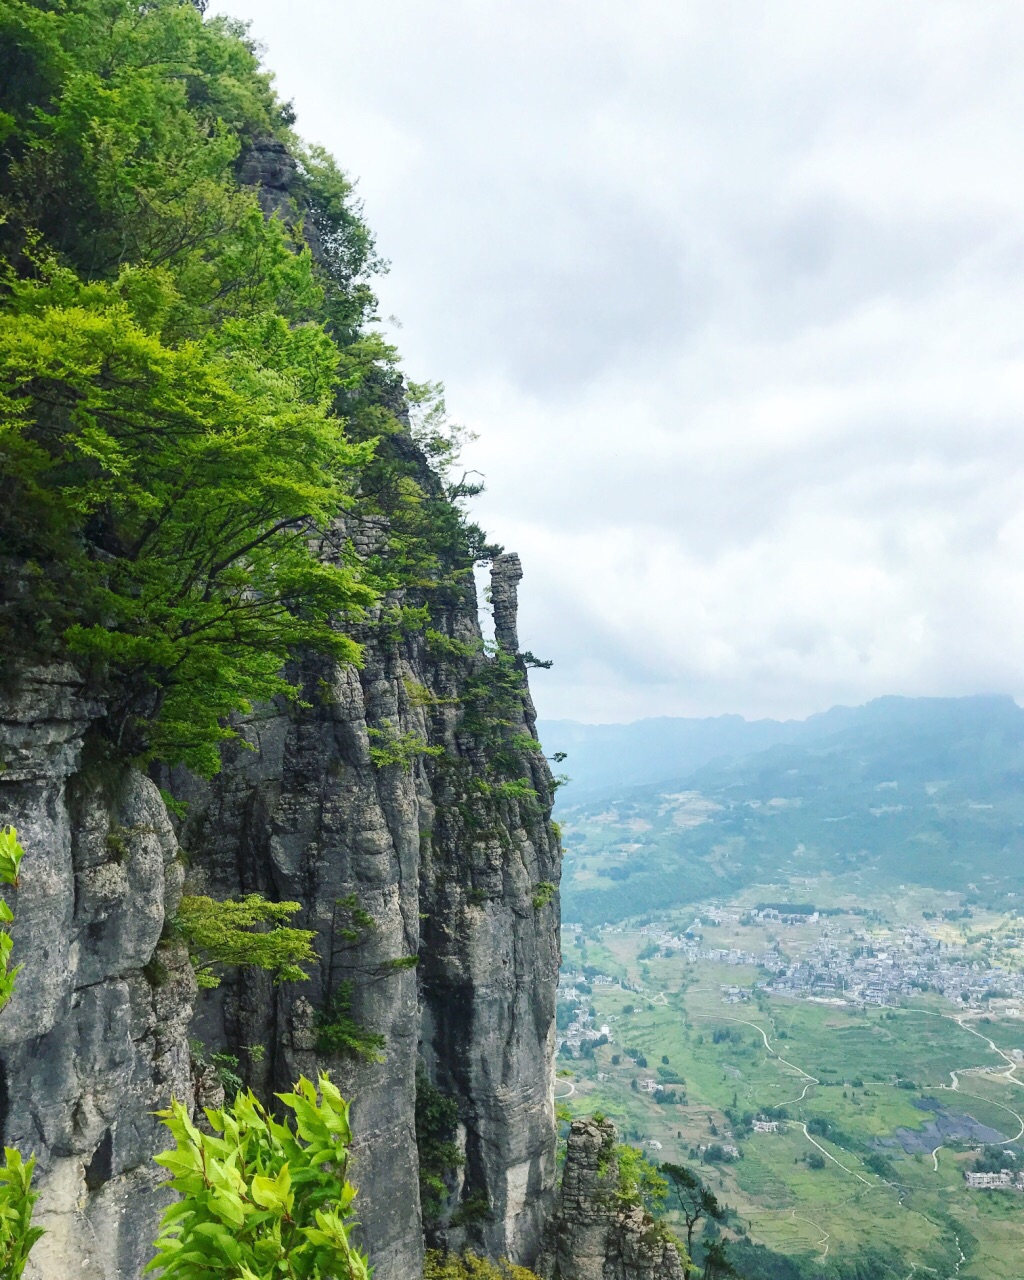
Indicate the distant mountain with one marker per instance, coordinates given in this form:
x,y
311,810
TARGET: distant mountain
x,y
611,755
922,790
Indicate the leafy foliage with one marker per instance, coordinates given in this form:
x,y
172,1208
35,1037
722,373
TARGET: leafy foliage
x,y
172,366
467,1266
398,749
543,892
640,1182
11,854
261,1199
437,1116
338,1031
17,1234
695,1201
228,933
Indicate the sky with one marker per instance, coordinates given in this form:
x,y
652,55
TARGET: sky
x,y
731,294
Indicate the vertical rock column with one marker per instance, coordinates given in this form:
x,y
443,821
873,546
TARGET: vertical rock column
x,y
488,973
306,815
95,1038
506,574
593,1235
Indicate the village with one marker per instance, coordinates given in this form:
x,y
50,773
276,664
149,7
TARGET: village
x,y
845,966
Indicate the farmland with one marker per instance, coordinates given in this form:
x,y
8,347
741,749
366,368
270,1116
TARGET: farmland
x,y
879,1109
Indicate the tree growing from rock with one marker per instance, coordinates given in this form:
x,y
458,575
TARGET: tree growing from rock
x,y
696,1202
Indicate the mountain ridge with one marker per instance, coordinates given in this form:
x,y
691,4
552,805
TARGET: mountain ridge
x,y
620,754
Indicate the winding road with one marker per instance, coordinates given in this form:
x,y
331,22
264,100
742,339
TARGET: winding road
x,y
1008,1074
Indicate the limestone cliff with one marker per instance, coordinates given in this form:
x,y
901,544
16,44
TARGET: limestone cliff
x,y
593,1235
455,866
401,800
450,871
96,1036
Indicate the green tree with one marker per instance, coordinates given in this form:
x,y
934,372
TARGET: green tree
x,y
695,1201
437,1118
640,1182
172,366
261,1199
11,854
233,932
467,1266
716,1262
17,1234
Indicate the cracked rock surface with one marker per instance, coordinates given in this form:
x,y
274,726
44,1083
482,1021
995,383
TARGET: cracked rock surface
x,y
592,1234
445,851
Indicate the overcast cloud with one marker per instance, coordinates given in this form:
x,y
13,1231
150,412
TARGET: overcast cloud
x,y
732,292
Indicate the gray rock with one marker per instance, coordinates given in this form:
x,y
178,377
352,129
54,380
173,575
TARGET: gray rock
x,y
446,851
592,1234
95,1038
307,815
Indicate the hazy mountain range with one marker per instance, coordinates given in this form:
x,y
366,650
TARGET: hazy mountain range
x,y
922,790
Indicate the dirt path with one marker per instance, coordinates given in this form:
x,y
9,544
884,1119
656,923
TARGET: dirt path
x,y
1008,1074
818,1227
829,1156
811,1080
881,1182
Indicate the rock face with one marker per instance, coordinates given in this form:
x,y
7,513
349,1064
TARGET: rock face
x,y
444,842
457,867
96,1035
592,1235
405,806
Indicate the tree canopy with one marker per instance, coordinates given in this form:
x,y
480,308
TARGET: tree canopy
x,y
196,415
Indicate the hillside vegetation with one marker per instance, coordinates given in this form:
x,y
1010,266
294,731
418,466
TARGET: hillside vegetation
x,y
198,421
922,791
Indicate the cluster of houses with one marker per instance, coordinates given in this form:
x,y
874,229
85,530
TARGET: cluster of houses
x,y
875,972
582,1027
1004,1180
689,946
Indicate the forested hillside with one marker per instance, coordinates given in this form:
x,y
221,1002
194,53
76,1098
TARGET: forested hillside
x,y
926,791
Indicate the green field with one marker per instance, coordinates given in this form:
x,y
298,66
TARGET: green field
x,y
859,1071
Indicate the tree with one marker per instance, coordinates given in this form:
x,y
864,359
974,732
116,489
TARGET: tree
x,y
640,1182
261,1199
695,1201
17,1234
181,382
716,1264
232,932
11,854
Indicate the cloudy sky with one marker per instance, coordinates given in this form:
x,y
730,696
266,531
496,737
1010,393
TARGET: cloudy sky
x,y
732,293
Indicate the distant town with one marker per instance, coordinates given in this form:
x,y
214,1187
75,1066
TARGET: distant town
x,y
843,967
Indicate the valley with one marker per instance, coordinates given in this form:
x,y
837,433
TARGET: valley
x,y
824,1121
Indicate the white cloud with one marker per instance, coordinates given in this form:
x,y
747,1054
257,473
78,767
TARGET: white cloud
x,y
732,294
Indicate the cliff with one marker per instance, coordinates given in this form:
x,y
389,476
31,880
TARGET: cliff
x,y
94,1038
449,869
98,1034
242,654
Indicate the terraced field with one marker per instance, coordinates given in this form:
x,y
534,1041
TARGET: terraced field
x,y
893,1100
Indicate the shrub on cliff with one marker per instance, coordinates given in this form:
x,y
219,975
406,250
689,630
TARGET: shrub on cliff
x,y
261,1199
17,1234
170,365
467,1266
